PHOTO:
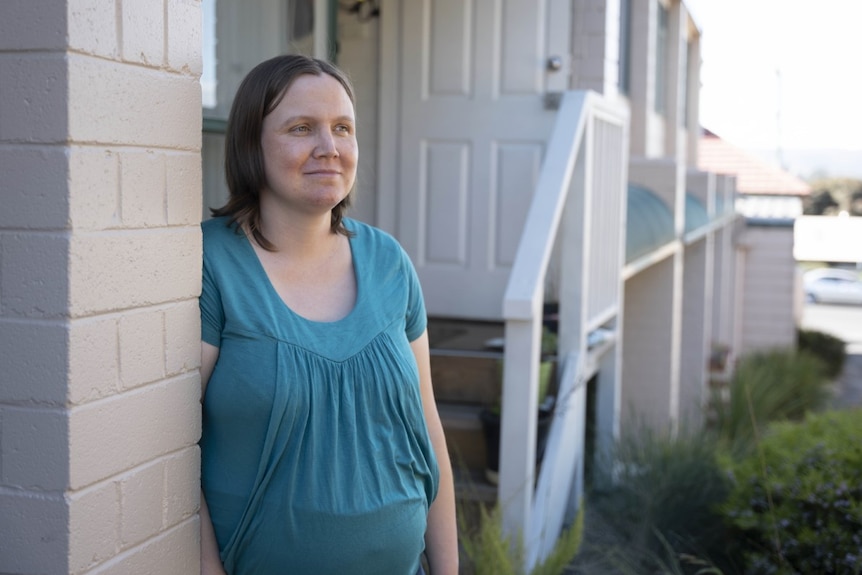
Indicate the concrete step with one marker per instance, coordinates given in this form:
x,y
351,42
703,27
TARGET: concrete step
x,y
471,377
464,436
465,360
472,486
464,335
465,371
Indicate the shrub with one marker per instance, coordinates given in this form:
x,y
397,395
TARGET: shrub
x,y
796,504
769,386
825,347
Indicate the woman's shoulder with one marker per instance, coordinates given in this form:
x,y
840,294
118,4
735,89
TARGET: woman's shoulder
x,y
222,243
218,227
218,232
372,236
378,250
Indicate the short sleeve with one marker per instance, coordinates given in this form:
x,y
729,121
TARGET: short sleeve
x,y
416,318
212,312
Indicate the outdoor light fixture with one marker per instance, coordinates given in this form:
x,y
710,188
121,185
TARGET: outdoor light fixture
x,y
365,10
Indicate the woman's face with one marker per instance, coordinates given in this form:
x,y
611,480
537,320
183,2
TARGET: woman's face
x,y
309,146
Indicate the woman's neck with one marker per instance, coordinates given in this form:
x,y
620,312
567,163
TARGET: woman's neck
x,y
300,236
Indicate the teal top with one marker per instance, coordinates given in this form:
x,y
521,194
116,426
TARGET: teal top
x,y
315,455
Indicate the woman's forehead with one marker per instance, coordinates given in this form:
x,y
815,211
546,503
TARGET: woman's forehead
x,y
315,89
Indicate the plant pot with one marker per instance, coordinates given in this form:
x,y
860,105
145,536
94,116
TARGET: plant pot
x,y
547,372
491,429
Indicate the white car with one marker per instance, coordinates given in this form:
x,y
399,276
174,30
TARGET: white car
x,y
832,285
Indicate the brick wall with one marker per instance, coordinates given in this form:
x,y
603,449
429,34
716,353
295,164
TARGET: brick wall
x,y
99,273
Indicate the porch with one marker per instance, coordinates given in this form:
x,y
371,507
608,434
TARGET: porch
x,y
587,245
570,253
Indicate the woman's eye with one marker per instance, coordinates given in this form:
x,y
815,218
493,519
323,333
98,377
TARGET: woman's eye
x,y
300,129
342,128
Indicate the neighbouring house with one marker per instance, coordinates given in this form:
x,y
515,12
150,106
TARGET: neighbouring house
x,y
769,290
524,152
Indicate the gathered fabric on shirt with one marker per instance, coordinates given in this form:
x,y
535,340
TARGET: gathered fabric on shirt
x,y
315,454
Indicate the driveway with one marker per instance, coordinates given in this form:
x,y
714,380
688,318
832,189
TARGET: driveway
x,y
844,322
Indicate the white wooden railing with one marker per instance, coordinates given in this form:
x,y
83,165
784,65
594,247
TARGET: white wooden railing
x,y
578,205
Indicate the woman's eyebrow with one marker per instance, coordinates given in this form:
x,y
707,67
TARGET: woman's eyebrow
x,y
305,118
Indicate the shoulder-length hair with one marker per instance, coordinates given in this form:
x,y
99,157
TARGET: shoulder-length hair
x,y
258,95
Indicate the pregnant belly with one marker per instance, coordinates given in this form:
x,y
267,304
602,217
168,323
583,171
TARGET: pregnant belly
x,y
389,540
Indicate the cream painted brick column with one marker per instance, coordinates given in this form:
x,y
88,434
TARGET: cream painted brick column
x,y
100,251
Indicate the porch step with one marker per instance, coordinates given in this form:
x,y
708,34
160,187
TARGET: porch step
x,y
463,435
471,486
466,377
465,357
466,444
464,361
463,335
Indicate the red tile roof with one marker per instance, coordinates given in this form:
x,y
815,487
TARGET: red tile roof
x,y
753,176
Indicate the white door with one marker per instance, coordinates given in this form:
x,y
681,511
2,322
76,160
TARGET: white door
x,y
470,130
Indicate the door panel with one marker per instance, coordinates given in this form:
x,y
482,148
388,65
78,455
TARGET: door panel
x,y
447,165
517,170
471,135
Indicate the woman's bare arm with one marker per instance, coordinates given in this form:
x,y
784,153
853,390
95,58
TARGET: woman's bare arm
x,y
441,536
210,559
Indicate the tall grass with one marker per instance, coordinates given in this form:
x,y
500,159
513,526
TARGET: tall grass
x,y
766,387
662,505
662,514
669,562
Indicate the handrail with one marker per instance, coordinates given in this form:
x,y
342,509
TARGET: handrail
x,y
542,534
521,312
569,160
523,294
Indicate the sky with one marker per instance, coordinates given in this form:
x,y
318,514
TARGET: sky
x,y
782,74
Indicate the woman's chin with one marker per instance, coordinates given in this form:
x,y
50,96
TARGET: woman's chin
x,y
317,203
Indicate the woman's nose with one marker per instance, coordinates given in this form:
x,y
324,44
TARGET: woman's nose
x,y
326,145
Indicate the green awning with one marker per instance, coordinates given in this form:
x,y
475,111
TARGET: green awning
x,y
695,213
649,223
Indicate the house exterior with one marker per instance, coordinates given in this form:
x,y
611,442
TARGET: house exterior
x,y
770,200
521,151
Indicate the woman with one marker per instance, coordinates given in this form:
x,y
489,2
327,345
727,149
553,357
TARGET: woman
x,y
322,449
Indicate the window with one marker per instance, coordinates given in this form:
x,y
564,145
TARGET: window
x,y
208,76
238,35
661,56
686,62
624,73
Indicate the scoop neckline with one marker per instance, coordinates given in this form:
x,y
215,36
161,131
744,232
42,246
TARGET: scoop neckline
x,y
274,293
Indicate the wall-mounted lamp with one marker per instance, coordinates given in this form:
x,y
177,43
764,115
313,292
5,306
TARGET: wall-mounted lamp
x,y
364,10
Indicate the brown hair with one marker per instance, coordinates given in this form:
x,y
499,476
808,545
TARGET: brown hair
x,y
258,95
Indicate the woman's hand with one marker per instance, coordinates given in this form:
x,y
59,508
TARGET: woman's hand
x,y
210,559
207,568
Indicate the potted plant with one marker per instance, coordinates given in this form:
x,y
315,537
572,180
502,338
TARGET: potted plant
x,y
490,415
